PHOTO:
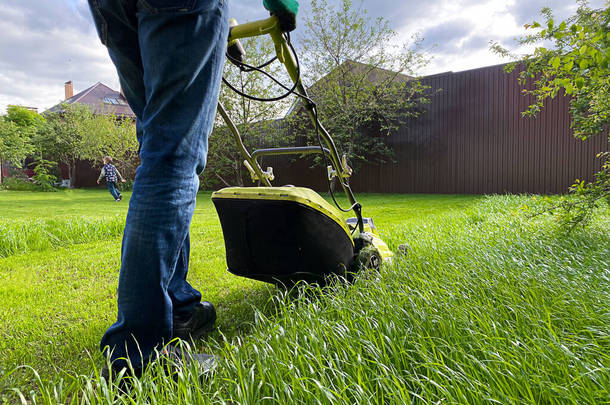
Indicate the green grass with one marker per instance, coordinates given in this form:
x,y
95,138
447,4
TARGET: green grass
x,y
487,306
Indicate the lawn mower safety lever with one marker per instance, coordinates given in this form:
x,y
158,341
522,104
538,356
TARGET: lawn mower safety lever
x,y
235,50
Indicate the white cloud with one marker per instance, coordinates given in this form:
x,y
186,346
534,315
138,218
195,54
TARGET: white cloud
x,y
478,23
45,43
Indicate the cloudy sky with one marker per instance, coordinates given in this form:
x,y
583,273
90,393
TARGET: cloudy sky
x,y
44,43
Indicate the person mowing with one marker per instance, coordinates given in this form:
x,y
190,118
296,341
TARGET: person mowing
x,y
111,173
169,56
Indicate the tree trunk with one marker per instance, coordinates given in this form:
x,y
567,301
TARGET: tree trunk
x,y
238,176
1,168
72,173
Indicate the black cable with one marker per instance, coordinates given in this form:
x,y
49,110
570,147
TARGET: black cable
x,y
281,97
270,61
314,110
330,190
250,68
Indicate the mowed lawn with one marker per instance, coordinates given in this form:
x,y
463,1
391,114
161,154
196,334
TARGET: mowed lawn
x,y
488,305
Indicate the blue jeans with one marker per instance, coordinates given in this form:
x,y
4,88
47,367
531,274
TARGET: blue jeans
x,y
113,189
169,56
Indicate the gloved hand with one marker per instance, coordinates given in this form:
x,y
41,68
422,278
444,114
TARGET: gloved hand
x,y
285,10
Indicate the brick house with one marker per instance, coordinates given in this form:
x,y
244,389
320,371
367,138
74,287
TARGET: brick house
x,y
102,100
99,97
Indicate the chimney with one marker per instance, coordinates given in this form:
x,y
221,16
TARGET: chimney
x,y
69,89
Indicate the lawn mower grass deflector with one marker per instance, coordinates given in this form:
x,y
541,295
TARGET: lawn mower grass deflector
x,y
283,235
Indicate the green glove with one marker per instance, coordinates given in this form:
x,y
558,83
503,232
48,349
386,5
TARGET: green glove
x,y
285,10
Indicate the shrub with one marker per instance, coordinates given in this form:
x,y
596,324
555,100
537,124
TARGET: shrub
x,y
42,177
16,184
127,186
42,180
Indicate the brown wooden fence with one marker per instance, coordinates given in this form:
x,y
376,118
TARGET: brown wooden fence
x,y
473,140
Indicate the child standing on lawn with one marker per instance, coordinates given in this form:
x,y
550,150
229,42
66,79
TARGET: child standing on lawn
x,y
111,173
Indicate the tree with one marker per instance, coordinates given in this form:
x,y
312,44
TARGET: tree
x,y
362,80
24,117
255,120
577,65
42,176
104,135
76,133
15,144
17,128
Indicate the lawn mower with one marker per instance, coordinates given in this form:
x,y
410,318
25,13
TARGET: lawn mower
x,y
287,234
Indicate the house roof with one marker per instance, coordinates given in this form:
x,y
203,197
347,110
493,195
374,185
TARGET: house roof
x,y
102,100
373,74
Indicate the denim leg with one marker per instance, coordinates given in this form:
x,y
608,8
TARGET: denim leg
x,y
117,26
179,56
113,190
184,296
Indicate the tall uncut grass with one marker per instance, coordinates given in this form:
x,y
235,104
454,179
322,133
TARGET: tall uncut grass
x,y
23,236
488,306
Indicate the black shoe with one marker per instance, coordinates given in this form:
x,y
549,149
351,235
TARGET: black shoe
x,y
201,321
120,197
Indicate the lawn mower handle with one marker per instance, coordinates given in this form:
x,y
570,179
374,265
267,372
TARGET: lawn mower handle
x,y
270,26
